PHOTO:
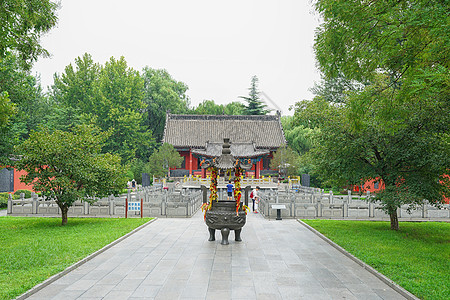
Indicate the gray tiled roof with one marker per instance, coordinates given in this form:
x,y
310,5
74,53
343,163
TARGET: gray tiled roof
x,y
237,150
194,131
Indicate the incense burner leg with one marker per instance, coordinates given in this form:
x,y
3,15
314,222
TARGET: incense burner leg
x,y
212,234
225,232
237,235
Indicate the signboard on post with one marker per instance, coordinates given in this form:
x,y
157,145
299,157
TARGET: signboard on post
x,y
133,206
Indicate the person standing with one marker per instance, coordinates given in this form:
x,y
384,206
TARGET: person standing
x,y
255,199
230,191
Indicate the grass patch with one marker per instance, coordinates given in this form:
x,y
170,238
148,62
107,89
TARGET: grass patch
x,y
33,249
417,257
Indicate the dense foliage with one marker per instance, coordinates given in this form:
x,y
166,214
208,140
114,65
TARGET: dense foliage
x,y
162,160
390,118
22,22
68,166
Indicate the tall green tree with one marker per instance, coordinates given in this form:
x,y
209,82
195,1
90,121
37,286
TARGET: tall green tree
x,y
255,106
110,96
68,166
299,137
162,93
162,160
209,107
76,87
23,92
119,98
234,108
396,126
286,161
411,161
22,23
7,111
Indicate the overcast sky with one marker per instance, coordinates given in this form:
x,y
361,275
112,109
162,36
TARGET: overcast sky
x,y
214,47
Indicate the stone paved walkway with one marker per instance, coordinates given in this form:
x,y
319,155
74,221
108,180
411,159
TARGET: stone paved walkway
x,y
172,259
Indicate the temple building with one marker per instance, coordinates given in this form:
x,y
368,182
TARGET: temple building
x,y
200,137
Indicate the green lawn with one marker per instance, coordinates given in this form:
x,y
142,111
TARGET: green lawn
x,y
417,257
33,249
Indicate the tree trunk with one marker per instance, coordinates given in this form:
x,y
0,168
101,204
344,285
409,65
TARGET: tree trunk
x,y
64,210
394,219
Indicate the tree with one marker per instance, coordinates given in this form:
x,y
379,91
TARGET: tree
x,y
68,166
285,160
234,108
7,111
22,22
110,96
120,109
162,160
255,106
395,127
411,161
25,92
209,107
75,88
299,137
162,93
22,105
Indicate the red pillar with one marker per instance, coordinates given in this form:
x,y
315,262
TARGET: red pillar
x,y
190,162
257,167
260,163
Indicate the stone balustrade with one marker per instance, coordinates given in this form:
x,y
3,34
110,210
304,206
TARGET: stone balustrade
x,y
317,204
156,203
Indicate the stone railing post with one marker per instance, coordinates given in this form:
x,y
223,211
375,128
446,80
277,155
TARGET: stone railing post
x,y
10,204
34,204
111,205
424,209
331,197
349,192
319,209
86,207
371,210
345,209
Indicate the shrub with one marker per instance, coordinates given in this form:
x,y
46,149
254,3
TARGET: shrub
x,y
3,200
26,192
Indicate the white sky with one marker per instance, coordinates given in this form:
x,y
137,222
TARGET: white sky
x,y
214,47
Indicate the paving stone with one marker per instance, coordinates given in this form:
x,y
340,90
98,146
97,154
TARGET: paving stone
x,y
118,295
146,291
128,285
81,285
218,295
192,291
98,290
68,295
48,292
388,293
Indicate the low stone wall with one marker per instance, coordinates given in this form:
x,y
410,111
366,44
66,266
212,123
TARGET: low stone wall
x,y
328,206
156,203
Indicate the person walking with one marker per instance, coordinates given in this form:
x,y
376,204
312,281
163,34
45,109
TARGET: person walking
x,y
230,191
255,199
